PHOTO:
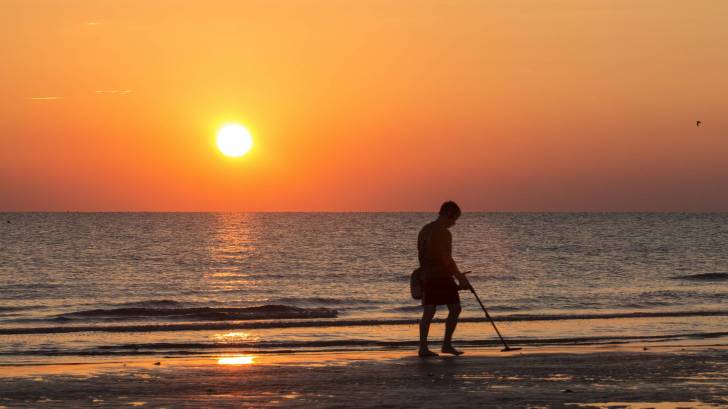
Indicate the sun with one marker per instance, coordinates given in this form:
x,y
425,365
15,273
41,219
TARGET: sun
x,y
234,140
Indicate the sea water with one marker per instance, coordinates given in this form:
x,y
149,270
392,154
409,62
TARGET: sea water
x,y
108,284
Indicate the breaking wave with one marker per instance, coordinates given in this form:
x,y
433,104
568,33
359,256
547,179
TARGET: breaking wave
x,y
311,313
191,348
703,277
200,313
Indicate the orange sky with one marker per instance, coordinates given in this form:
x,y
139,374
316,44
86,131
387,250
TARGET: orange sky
x,y
367,105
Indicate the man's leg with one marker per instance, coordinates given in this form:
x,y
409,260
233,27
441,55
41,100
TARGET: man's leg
x,y
450,324
428,312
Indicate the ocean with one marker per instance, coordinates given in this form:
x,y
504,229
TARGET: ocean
x,y
76,285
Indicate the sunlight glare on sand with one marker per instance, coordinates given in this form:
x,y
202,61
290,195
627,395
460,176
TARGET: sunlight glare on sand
x,y
236,360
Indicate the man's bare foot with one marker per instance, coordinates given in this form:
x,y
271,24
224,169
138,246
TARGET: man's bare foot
x,y
425,353
451,350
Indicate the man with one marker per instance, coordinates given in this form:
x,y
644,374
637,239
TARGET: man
x,y
434,250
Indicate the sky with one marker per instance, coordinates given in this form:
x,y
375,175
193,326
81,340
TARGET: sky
x,y
364,105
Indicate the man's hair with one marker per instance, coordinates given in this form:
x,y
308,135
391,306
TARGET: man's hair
x,y
450,208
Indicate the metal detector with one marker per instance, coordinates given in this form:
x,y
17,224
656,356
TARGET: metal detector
x,y
507,348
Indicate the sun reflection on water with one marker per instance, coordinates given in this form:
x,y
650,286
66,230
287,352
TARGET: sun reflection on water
x,y
232,245
234,335
236,360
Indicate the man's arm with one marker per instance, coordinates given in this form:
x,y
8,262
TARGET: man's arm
x,y
442,242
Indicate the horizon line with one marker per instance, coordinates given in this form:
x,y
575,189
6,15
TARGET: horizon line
x,y
380,211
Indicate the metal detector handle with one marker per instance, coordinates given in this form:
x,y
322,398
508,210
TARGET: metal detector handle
x,y
472,290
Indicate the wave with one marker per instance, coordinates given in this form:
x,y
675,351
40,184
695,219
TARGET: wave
x,y
325,301
638,314
703,277
189,348
414,308
407,308
4,309
28,286
201,313
217,326
151,304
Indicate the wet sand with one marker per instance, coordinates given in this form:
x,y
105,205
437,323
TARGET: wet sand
x,y
657,378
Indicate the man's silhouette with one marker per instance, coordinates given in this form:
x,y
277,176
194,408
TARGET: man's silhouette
x,y
434,250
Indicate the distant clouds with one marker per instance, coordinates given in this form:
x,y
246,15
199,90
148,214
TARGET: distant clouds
x,y
120,92
114,91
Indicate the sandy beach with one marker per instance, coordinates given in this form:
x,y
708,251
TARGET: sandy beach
x,y
658,377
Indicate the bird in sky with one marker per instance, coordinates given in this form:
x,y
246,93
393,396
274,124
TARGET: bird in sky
x,y
697,123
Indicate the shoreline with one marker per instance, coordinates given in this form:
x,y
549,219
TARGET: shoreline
x,y
539,377
344,322
282,356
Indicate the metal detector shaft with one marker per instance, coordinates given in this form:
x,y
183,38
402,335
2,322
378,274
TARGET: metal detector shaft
x,y
491,320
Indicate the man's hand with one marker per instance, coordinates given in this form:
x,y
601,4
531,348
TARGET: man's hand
x,y
464,283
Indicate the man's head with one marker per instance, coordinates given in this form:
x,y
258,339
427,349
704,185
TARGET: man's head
x,y
449,213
